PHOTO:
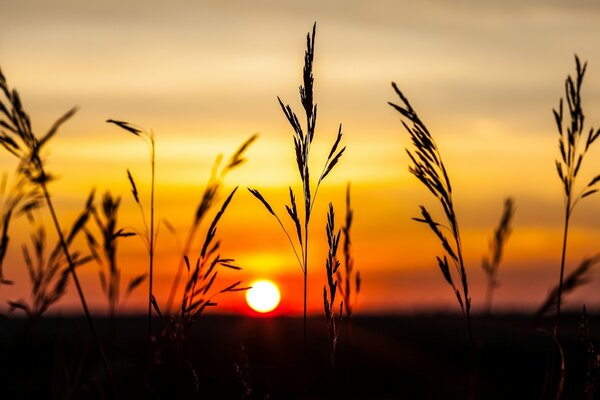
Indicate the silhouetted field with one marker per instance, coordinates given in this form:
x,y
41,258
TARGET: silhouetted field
x,y
389,357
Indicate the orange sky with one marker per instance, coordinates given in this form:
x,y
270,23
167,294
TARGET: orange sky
x,y
205,75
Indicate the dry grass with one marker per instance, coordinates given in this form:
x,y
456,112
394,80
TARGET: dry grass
x,y
592,368
20,199
49,272
572,152
428,167
332,265
18,138
491,263
149,234
199,292
349,277
104,251
49,267
207,202
302,143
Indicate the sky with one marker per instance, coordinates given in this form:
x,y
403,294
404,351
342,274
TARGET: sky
x,y
204,76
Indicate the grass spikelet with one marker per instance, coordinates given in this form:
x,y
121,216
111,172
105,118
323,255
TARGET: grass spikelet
x,y
332,265
150,233
302,140
18,200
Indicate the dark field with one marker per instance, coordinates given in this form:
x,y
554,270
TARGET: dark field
x,y
390,357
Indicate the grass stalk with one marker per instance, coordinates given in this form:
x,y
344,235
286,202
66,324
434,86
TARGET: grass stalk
x,y
18,138
428,167
491,263
573,144
207,202
303,138
149,234
152,236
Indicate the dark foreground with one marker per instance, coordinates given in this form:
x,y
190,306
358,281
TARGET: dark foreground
x,y
424,357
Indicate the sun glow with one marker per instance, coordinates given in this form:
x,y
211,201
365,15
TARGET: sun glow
x,y
263,297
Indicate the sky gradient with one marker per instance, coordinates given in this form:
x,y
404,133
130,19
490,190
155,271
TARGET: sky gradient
x,y
204,76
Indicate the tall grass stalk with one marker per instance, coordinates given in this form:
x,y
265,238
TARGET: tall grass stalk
x,y
149,234
302,143
207,202
332,265
18,138
428,167
491,263
573,143
349,277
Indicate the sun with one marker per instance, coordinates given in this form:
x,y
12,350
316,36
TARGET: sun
x,y
263,297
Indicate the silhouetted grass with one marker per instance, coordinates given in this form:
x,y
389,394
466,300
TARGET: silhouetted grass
x,y
104,251
428,167
49,272
576,278
199,291
149,234
18,138
20,199
429,353
332,265
302,143
491,263
207,202
349,277
572,153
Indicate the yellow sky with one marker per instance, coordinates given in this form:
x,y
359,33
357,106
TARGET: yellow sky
x,y
205,75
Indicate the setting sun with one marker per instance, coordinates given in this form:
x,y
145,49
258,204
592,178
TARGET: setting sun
x,y
263,297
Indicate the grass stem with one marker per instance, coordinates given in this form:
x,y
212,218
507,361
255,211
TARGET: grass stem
x,y
80,293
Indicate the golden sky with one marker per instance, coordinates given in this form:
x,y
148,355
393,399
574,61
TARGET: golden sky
x,y
204,76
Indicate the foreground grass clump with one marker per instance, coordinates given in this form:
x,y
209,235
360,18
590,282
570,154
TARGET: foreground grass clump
x,y
49,272
104,251
491,263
